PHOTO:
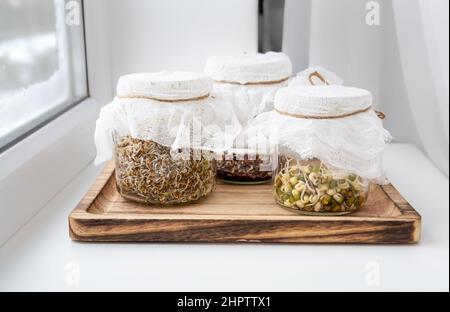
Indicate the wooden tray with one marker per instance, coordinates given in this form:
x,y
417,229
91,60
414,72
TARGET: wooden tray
x,y
238,214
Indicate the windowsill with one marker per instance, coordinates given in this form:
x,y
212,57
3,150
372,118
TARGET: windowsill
x,y
37,167
42,257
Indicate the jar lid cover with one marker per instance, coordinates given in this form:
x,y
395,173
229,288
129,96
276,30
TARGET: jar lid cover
x,y
164,86
249,68
322,101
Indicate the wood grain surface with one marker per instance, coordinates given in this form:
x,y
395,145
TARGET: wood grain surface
x,y
236,213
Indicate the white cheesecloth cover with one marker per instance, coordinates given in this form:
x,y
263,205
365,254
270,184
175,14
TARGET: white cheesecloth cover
x,y
174,109
333,123
253,79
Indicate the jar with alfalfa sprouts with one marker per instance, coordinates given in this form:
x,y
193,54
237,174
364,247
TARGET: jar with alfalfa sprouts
x,y
157,131
330,143
252,80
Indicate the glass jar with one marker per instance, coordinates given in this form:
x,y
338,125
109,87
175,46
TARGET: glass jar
x,y
252,79
309,187
150,173
240,168
158,130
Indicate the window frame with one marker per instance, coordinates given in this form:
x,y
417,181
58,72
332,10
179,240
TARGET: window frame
x,y
38,158
35,123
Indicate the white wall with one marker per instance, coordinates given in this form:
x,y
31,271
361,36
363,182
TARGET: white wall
x,y
341,41
423,47
393,95
435,18
296,32
153,35
403,61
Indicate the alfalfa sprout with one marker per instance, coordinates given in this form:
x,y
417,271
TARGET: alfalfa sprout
x,y
148,172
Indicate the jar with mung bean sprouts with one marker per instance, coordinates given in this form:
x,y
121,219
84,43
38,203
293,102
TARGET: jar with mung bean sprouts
x,y
329,143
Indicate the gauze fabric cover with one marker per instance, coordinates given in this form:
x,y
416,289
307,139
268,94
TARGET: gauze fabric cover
x,y
252,80
250,100
208,123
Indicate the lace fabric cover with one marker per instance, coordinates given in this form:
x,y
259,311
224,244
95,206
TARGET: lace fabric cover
x,y
208,123
352,144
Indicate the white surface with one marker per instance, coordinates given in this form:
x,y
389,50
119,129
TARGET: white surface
x,y
41,256
35,169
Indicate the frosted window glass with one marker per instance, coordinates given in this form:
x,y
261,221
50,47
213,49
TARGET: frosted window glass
x,y
42,63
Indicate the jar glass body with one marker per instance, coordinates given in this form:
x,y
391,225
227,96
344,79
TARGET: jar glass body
x,y
310,187
245,168
242,164
150,173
